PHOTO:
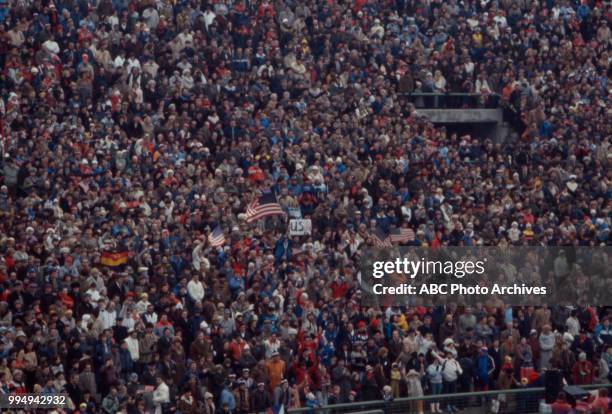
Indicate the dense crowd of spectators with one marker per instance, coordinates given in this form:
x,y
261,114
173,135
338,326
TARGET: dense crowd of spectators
x,y
139,126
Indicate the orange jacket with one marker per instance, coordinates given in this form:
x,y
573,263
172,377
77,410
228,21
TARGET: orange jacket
x,y
276,372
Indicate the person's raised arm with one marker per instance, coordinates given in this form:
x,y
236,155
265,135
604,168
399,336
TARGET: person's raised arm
x,y
435,355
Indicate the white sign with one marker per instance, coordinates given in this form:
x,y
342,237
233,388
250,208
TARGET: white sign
x,y
295,212
300,227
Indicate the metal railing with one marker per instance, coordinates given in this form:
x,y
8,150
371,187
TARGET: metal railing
x,y
516,401
452,100
370,412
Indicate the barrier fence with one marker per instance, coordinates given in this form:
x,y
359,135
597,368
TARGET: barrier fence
x,y
514,401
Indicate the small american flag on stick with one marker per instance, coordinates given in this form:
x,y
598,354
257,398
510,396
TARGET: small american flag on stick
x,y
264,206
216,238
402,235
380,239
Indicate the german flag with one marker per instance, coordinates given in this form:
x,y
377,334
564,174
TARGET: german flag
x,y
114,259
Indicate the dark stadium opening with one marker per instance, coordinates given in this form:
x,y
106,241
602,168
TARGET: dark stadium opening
x,y
481,129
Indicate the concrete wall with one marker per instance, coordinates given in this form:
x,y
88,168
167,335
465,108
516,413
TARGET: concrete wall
x,y
448,116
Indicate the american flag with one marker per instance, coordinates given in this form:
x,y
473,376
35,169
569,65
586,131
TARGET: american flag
x,y
264,206
216,238
380,238
402,235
